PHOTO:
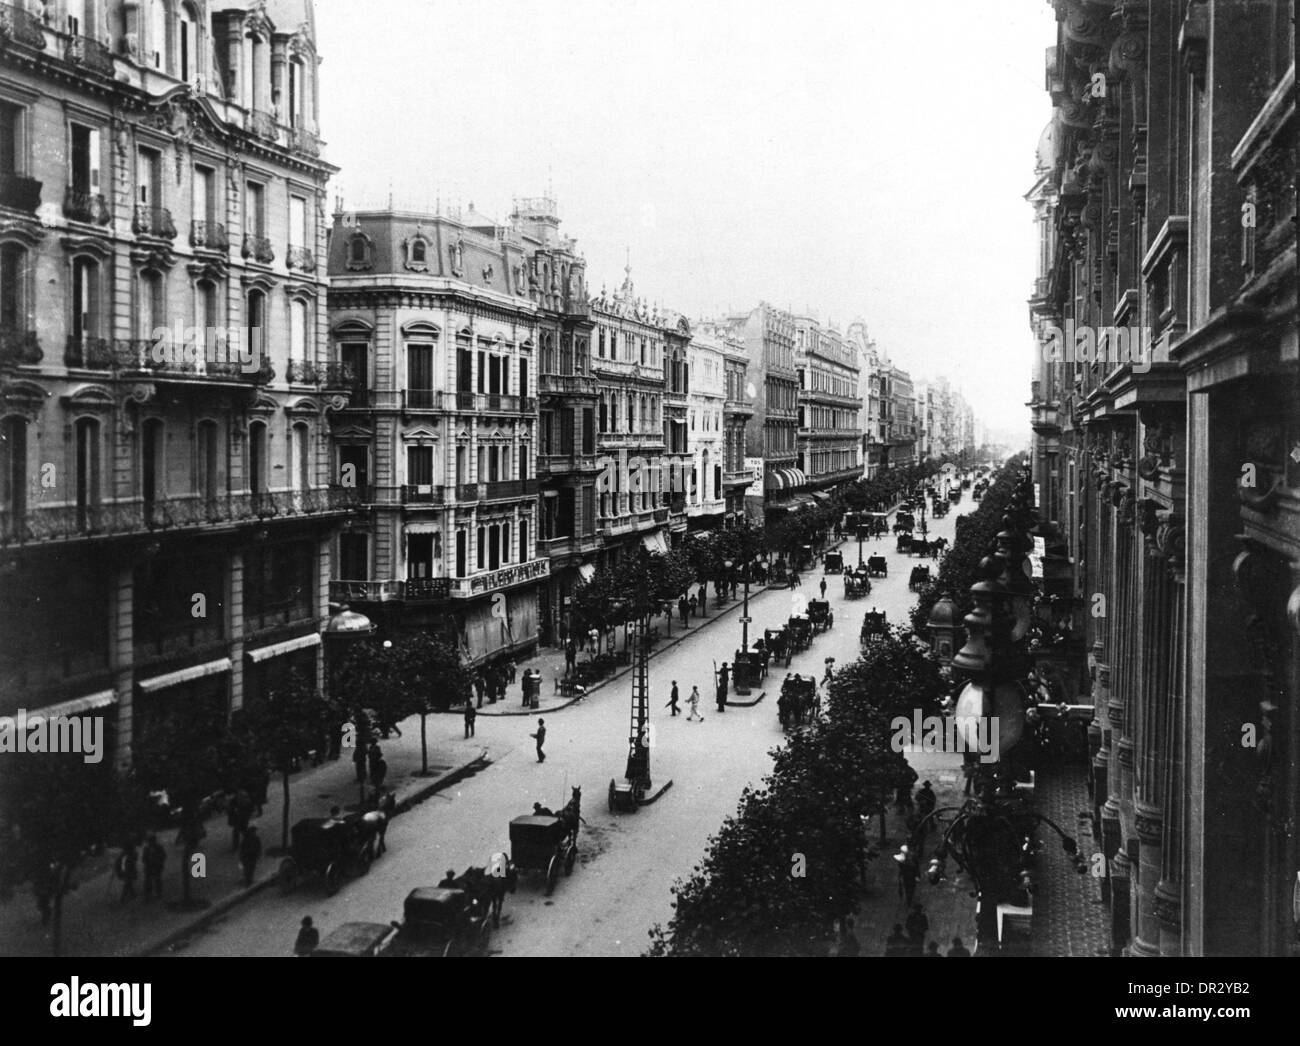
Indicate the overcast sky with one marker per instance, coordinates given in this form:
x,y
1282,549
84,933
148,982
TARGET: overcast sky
x,y
855,158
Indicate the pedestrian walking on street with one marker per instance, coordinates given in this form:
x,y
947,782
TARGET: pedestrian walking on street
x,y
154,858
683,610
917,925
896,943
511,670
470,714
250,852
958,950
672,700
239,811
570,656
541,738
373,755
693,702
308,938
379,772
704,596
480,685
692,603
926,800
823,588
908,872
127,871
359,761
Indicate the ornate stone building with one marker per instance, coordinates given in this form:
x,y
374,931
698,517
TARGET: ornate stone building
x,y
438,317
737,409
706,497
1166,414
167,502
829,403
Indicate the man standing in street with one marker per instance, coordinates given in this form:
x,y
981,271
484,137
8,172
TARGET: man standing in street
x,y
723,679
704,596
250,852
154,859
471,713
570,656
126,871
672,700
823,588
541,738
908,873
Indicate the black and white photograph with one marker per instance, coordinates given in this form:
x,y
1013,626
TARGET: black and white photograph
x,y
638,478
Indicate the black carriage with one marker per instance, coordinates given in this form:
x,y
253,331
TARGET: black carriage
x,y
875,625
919,578
355,939
833,563
878,523
443,921
820,614
747,668
541,843
954,495
904,544
877,566
331,848
939,508
800,630
777,642
856,585
797,703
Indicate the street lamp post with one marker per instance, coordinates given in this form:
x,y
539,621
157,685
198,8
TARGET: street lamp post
x,y
345,624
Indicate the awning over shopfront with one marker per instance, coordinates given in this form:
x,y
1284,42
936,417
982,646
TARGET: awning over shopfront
x,y
785,479
77,706
587,571
655,542
185,675
287,647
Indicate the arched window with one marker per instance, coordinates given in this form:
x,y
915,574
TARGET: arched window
x,y
13,287
152,304
257,457
297,329
256,317
13,471
301,456
87,436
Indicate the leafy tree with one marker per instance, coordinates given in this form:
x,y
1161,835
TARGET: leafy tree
x,y
290,721
426,675
63,808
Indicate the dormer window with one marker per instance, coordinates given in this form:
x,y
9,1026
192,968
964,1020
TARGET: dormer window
x,y
360,252
417,254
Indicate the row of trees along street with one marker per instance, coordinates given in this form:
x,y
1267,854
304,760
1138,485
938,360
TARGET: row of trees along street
x,y
60,811
787,868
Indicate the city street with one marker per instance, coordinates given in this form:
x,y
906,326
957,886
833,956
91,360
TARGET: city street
x,y
620,886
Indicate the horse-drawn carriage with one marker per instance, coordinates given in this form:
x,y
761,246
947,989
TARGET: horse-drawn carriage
x,y
919,578
777,643
747,668
904,544
877,566
797,704
329,847
954,495
546,842
938,508
857,583
799,628
833,563
878,523
904,522
875,626
821,615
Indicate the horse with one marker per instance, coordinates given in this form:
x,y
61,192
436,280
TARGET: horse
x,y
487,886
571,814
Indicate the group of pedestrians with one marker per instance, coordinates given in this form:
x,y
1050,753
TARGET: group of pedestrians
x,y
491,681
153,857
370,762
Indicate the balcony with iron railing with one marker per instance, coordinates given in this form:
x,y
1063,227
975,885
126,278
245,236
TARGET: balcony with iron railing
x,y
416,399
153,221
20,193
47,523
495,403
19,348
210,236
89,54
422,494
89,208
567,385
498,490
503,577
88,353
258,248
562,464
300,258
737,407
630,439
143,356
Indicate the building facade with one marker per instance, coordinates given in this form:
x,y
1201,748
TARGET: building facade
x,y
1164,411
768,335
706,498
738,407
166,492
437,317
632,343
829,442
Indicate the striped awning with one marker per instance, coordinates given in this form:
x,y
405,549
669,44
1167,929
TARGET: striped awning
x,y
185,675
654,542
77,705
785,479
287,647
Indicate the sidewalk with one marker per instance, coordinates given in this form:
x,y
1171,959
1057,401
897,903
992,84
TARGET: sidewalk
x,y
97,922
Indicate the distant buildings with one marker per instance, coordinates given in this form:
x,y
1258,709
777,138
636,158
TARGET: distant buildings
x,y
829,404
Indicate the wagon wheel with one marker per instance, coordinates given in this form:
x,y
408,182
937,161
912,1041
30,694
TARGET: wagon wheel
x,y
333,877
288,874
364,857
552,874
569,860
